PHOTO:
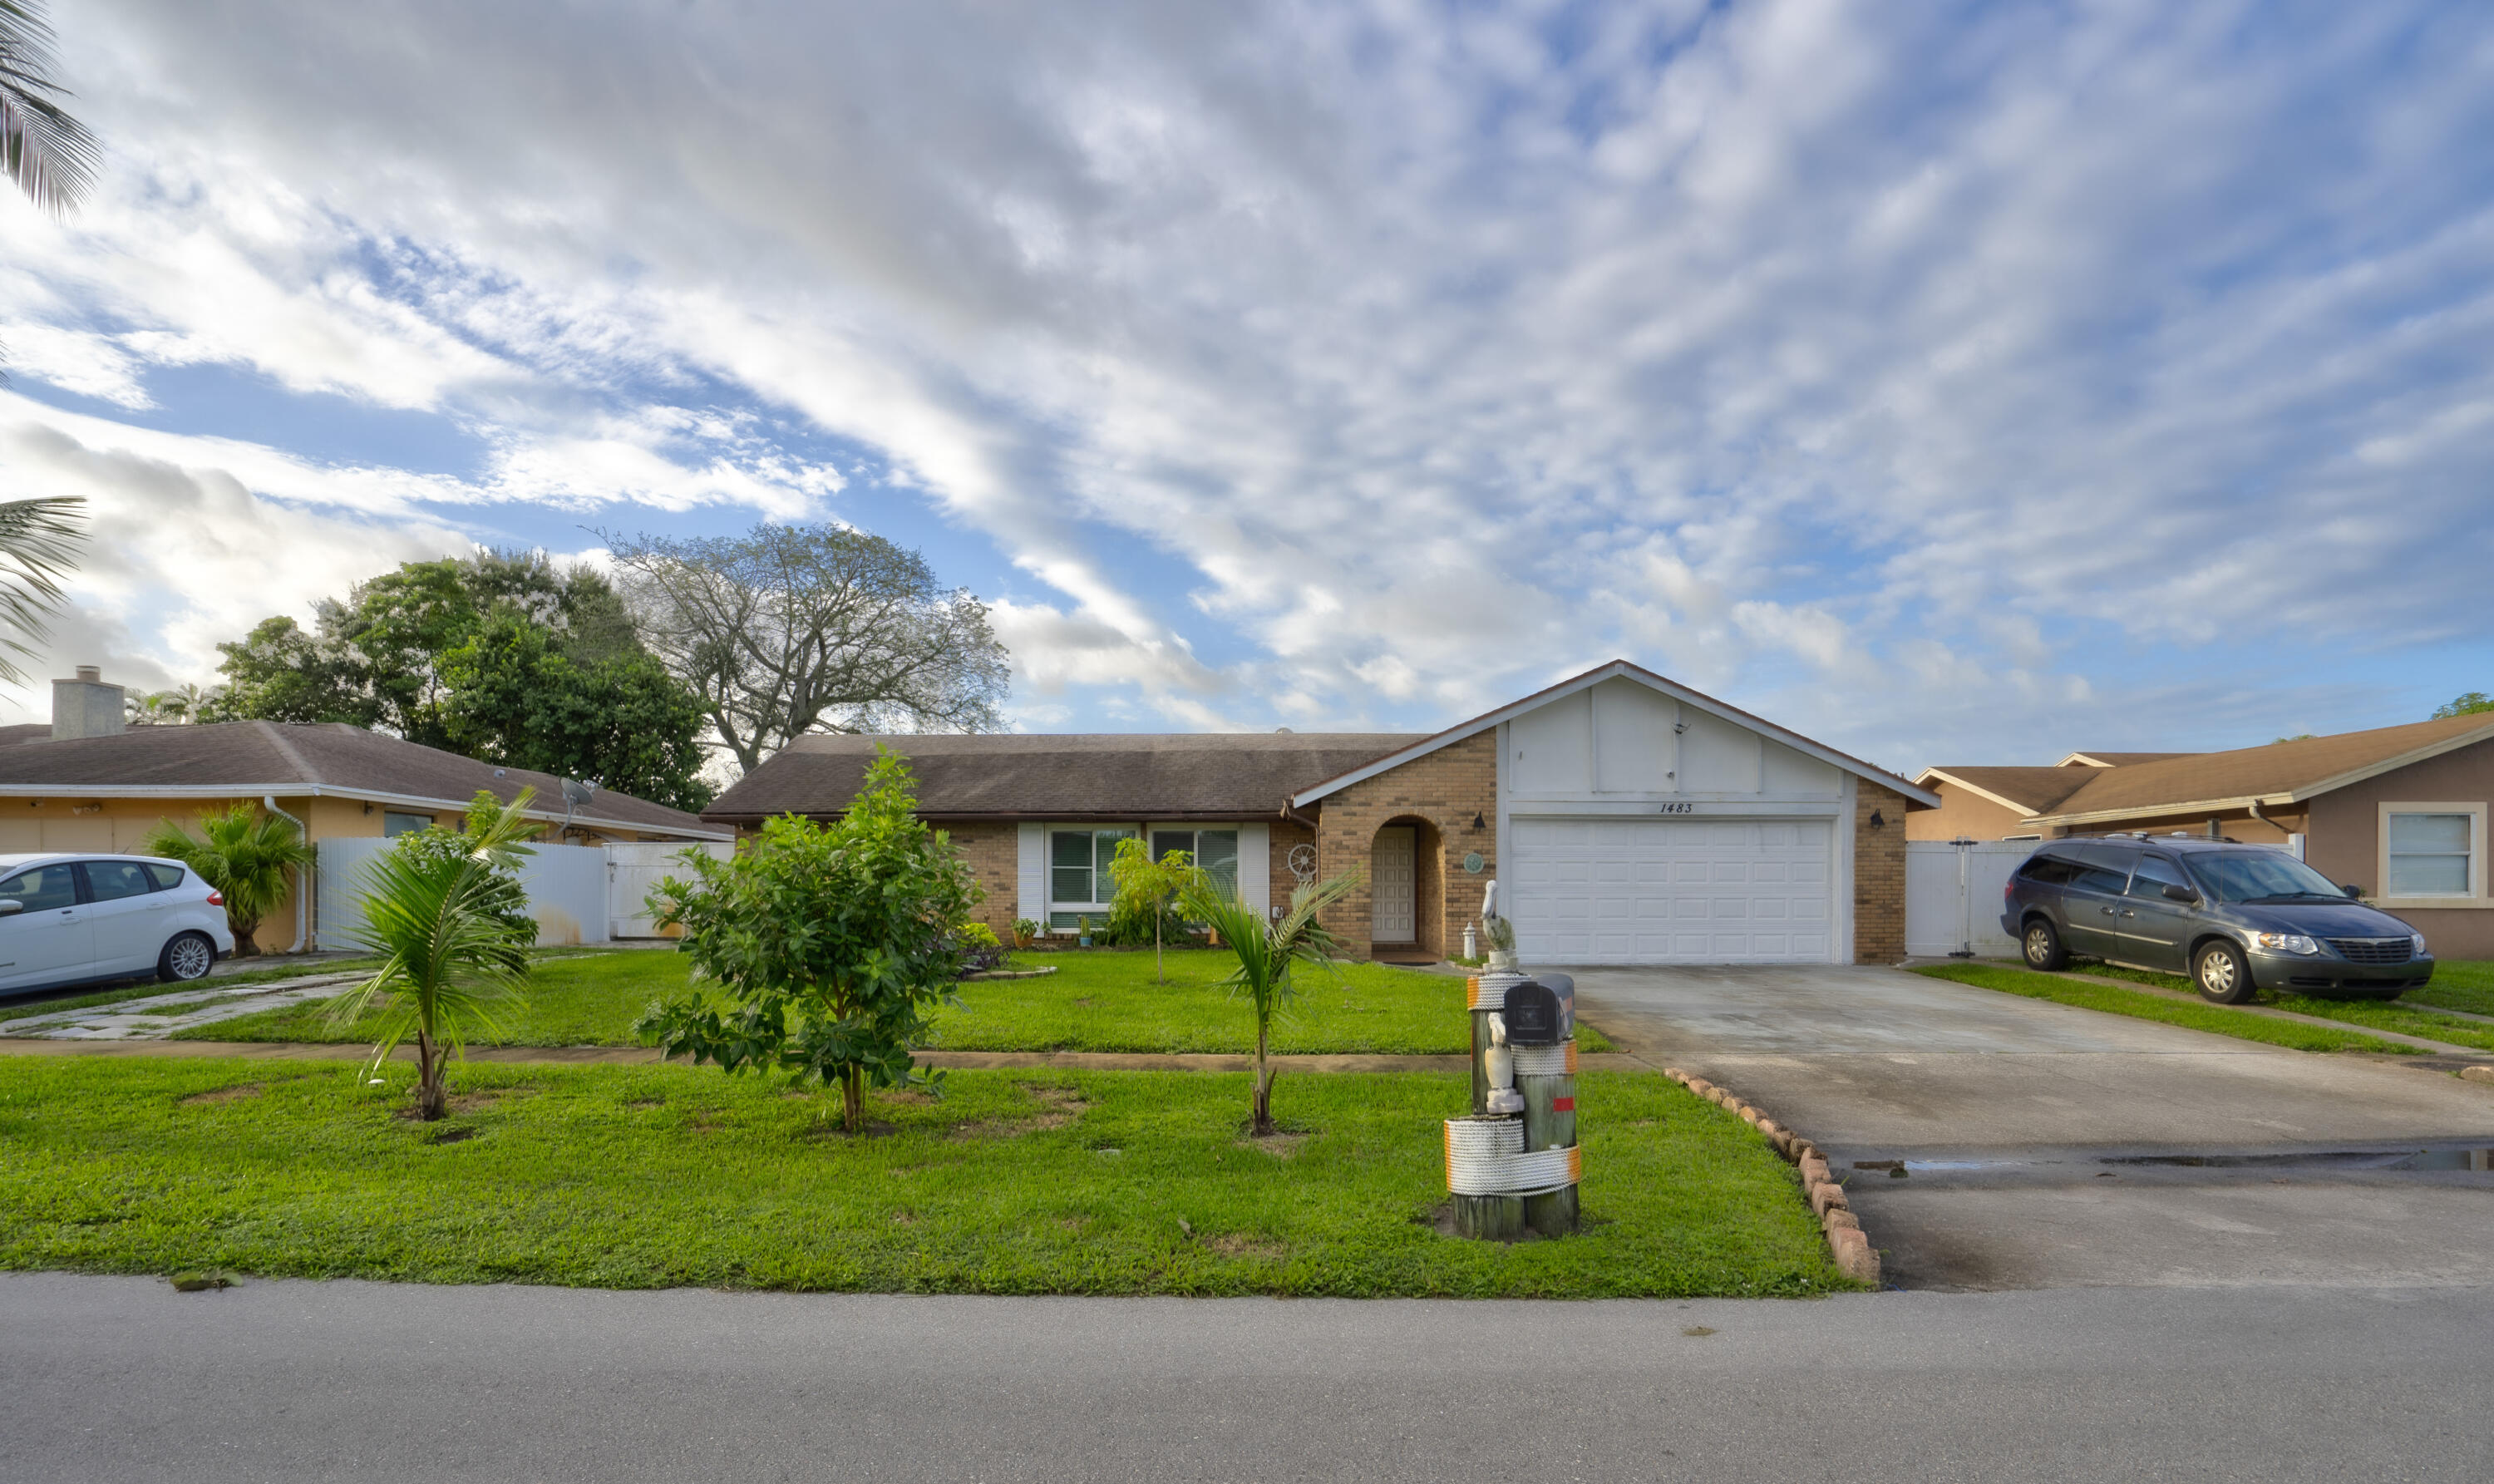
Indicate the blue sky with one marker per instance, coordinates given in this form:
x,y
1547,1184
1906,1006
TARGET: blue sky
x,y
1952,383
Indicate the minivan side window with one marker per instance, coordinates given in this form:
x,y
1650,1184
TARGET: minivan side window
x,y
2047,870
2104,869
2154,874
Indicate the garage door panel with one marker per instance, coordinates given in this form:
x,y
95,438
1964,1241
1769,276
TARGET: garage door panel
x,y
1678,891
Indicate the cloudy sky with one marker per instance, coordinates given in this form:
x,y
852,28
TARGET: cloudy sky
x,y
1952,383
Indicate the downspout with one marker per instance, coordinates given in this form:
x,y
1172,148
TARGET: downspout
x,y
1305,821
2272,824
302,877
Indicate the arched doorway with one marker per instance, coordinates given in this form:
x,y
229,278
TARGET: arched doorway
x,y
1407,904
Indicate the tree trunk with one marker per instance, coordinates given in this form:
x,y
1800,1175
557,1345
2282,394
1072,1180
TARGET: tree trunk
x,y
1261,1120
245,945
1159,970
853,1098
432,1099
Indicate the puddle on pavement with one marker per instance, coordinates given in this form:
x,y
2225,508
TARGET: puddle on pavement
x,y
2466,1158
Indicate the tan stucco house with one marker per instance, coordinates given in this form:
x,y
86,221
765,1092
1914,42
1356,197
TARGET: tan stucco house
x,y
1629,818
2399,812
85,782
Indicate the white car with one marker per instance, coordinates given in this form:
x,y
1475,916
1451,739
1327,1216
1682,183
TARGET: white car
x,y
67,919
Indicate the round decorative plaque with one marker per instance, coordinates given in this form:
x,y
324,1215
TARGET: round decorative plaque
x,y
1473,863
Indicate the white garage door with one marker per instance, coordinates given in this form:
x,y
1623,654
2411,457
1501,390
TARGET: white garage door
x,y
1671,891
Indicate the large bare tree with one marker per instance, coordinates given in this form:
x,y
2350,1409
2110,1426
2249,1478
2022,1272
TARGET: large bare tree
x,y
790,629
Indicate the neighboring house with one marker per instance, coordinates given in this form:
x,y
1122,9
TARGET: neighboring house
x,y
86,782
2397,811
1630,819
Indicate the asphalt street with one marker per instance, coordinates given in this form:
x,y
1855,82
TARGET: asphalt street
x,y
2044,1145
123,1380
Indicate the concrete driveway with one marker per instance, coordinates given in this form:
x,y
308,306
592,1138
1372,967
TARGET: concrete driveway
x,y
2045,1145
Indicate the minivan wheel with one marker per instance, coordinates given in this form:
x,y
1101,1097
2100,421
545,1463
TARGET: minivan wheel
x,y
188,956
2222,975
2044,950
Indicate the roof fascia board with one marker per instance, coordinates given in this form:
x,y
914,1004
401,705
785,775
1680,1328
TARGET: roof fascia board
x,y
319,791
2187,806
1975,789
1617,669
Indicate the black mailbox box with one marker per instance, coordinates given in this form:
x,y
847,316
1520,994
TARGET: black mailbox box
x,y
1537,1016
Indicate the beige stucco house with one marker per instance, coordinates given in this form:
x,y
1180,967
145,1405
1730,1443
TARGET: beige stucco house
x,y
1627,818
2399,812
88,782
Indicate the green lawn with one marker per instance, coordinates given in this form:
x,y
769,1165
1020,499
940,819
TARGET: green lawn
x,y
2464,984
1016,1183
140,989
2378,1014
1095,1002
2217,1018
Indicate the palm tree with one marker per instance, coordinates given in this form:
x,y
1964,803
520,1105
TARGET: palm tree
x,y
48,153
245,854
1267,951
440,920
38,546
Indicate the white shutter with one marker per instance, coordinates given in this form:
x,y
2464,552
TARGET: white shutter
x,y
1256,866
1030,874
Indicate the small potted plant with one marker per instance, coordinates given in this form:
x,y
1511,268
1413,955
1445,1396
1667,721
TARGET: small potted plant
x,y
1084,939
1025,933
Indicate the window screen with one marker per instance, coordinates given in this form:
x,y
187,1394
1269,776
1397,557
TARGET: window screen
x,y
1077,865
395,824
42,888
2103,868
113,880
1217,852
2429,854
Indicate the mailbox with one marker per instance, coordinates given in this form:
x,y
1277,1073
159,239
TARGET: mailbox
x,y
1537,1016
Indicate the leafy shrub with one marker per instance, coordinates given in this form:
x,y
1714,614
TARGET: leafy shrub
x,y
979,950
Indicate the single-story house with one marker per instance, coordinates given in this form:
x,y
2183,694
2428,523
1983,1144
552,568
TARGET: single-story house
x,y
2398,811
86,781
1629,818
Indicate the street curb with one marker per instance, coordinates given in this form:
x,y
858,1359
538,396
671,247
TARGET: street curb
x,y
1846,1243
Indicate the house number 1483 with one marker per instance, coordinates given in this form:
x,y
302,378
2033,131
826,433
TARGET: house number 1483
x,y
1678,808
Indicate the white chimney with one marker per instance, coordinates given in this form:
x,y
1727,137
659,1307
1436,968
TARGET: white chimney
x,y
87,707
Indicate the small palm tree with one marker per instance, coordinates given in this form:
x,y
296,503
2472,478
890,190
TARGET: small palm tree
x,y
440,923
1268,952
246,855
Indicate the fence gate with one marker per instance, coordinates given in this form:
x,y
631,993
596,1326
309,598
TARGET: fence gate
x,y
632,870
1953,896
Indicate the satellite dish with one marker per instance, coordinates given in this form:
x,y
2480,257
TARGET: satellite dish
x,y
574,793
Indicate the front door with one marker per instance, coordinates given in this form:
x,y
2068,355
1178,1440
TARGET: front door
x,y
1392,918
49,938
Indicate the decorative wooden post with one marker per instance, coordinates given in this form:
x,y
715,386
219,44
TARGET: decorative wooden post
x,y
1546,1075
1496,1217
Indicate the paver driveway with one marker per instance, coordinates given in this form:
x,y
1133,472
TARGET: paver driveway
x,y
2021,1123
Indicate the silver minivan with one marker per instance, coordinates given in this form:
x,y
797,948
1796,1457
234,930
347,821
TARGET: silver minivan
x,y
75,918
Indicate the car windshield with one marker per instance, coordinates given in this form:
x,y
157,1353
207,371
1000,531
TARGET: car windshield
x,y
2259,875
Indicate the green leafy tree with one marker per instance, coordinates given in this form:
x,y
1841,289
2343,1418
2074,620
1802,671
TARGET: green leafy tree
x,y
515,697
444,911
828,944
502,656
1269,951
2467,705
1150,890
249,857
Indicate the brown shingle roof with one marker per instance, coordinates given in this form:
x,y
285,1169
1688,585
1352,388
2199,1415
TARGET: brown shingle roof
x,y
328,758
2124,759
1110,777
2032,789
2280,772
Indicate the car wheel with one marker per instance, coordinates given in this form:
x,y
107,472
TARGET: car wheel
x,y
188,956
2044,950
2222,975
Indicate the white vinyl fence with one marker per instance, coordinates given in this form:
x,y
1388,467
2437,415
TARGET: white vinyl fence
x,y
633,871
1953,896
566,887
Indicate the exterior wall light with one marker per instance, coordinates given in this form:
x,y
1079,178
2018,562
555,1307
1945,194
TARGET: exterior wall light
x,y
1877,823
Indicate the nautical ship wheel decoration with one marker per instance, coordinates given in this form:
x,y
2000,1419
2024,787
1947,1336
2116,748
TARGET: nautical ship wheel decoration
x,y
1303,862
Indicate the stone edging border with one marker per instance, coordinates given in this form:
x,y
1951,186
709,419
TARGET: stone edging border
x,y
1846,1242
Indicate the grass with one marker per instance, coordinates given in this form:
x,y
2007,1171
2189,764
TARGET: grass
x,y
1095,1002
2377,1015
2462,983
2217,1019
1016,1183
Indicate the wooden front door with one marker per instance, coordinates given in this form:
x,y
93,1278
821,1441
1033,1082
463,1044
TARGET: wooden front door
x,y
1392,918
